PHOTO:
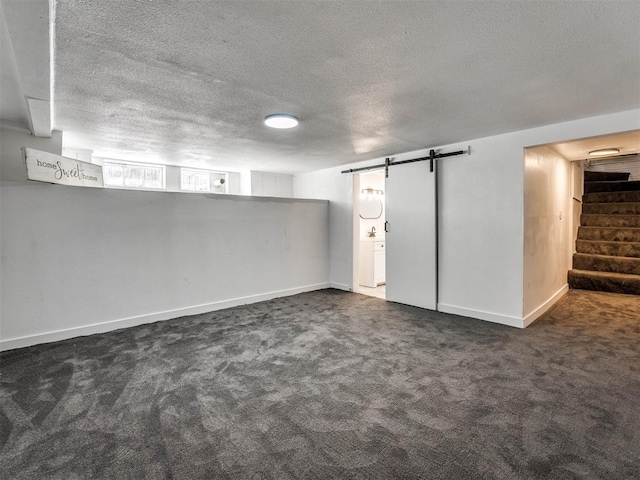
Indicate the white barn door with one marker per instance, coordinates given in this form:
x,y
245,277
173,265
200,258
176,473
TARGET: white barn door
x,y
411,257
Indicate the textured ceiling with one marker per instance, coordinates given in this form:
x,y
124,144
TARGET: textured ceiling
x,y
189,82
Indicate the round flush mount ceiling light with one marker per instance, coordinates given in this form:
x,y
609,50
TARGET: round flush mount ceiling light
x,y
604,151
280,120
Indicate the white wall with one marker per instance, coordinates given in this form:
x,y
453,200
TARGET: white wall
x,y
481,216
76,261
265,184
331,185
480,211
548,232
81,154
235,186
73,257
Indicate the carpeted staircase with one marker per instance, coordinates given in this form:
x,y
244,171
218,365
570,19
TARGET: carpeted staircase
x,y
608,244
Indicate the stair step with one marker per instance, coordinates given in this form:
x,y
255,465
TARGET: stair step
x,y
606,263
616,249
593,187
604,282
623,208
612,197
632,221
609,234
605,176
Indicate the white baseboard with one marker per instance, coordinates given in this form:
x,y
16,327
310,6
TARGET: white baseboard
x,y
538,312
340,286
65,334
482,315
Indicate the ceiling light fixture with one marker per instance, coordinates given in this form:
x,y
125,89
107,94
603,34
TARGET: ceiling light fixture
x,y
371,192
280,120
604,151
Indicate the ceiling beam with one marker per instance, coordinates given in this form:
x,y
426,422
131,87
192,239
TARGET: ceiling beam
x,y
39,117
29,27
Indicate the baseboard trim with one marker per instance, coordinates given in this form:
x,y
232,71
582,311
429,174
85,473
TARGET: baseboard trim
x,y
542,309
481,315
103,327
340,286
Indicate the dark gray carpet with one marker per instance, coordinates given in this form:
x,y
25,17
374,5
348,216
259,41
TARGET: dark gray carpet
x,y
330,384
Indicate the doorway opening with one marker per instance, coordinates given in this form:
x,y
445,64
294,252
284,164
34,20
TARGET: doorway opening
x,y
606,256
582,218
369,234
405,259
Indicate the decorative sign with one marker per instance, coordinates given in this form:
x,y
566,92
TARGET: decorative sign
x,y
52,168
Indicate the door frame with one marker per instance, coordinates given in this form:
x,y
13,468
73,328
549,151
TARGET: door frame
x,y
355,234
355,227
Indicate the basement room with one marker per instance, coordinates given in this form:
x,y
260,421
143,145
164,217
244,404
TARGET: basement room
x,y
311,239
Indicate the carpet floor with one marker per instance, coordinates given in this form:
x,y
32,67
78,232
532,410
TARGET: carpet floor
x,y
331,384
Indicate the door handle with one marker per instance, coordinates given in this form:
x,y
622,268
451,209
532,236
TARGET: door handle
x,y
386,226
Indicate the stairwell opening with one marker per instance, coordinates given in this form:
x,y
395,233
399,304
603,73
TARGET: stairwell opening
x,y
607,254
582,219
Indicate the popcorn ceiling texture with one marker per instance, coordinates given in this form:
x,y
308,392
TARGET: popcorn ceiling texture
x,y
330,384
189,82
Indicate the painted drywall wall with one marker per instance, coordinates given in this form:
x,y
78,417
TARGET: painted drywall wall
x,y
82,154
329,184
75,261
548,229
264,184
79,260
480,231
481,216
480,267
